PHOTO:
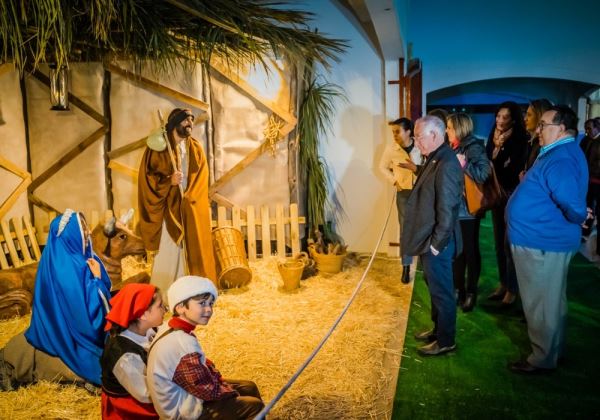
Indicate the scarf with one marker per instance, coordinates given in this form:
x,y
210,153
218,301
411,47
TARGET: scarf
x,y
499,138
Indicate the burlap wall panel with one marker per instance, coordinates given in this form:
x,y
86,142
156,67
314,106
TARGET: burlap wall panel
x,y
134,116
12,140
239,124
79,184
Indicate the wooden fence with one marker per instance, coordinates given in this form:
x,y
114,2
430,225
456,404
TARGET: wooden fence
x,y
266,234
19,245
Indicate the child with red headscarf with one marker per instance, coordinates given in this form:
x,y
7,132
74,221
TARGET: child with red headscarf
x,y
136,310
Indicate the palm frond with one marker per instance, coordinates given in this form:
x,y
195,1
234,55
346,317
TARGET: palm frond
x,y
162,32
314,121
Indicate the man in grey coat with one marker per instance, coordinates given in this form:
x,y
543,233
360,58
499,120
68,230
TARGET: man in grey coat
x,y
433,232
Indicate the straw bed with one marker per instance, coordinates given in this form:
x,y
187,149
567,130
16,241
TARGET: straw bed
x,y
263,333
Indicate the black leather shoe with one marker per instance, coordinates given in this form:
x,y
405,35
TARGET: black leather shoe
x,y
523,366
433,349
469,302
427,336
405,274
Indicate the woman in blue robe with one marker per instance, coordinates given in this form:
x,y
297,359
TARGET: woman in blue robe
x,y
70,299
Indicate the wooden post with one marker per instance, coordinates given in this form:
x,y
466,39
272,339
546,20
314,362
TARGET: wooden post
x,y
265,231
280,229
294,229
18,227
251,233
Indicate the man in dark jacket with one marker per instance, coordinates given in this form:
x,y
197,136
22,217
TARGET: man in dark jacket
x,y
433,231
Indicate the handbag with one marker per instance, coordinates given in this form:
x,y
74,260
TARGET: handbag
x,y
485,196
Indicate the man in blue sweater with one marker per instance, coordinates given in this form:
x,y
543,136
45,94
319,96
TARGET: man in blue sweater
x,y
544,217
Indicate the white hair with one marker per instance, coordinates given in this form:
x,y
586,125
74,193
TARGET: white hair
x,y
433,123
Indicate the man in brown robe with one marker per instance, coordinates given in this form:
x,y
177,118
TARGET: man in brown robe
x,y
178,196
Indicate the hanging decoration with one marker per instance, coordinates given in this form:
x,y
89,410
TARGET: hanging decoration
x,y
59,88
273,133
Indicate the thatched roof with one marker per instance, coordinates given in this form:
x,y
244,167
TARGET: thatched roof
x,y
163,32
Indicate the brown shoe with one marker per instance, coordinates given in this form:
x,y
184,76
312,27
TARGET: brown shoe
x,y
509,298
427,336
433,349
523,366
498,294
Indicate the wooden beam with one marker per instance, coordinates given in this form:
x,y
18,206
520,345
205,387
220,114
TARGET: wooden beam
x,y
157,87
10,201
123,150
239,167
11,167
124,169
41,204
246,87
73,99
69,156
106,88
224,201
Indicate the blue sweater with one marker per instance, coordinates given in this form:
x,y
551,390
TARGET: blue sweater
x,y
547,208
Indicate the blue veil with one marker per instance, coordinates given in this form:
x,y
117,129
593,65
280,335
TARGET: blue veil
x,y
69,304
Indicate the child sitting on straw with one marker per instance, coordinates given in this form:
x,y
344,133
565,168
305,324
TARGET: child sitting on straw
x,y
183,383
136,310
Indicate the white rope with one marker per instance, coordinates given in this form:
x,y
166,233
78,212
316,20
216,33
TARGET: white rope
x,y
284,389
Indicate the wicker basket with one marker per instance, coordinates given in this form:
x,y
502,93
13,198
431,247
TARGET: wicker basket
x,y
328,263
231,258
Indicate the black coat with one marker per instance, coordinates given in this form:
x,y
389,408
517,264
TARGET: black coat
x,y
510,160
431,212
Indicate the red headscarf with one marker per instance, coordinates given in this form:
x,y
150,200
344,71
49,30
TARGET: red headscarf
x,y
129,304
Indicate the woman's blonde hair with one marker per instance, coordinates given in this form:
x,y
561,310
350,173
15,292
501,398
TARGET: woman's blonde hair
x,y
462,124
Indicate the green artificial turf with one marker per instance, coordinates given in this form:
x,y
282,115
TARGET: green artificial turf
x,y
474,382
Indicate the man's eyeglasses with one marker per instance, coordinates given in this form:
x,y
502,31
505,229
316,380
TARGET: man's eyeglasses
x,y
543,124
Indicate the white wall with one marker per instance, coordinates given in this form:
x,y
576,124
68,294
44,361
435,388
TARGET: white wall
x,y
353,149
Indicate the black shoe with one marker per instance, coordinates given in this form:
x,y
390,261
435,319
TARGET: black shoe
x,y
433,349
427,336
469,302
405,274
523,366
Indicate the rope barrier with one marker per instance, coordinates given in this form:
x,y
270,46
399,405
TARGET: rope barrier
x,y
283,390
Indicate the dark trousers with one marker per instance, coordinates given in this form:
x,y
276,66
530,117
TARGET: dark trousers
x,y
593,202
401,198
438,274
246,406
506,265
469,260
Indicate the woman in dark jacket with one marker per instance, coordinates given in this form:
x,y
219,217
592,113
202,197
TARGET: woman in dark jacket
x,y
471,154
507,149
536,109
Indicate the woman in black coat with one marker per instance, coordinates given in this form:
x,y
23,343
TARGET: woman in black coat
x,y
507,149
471,154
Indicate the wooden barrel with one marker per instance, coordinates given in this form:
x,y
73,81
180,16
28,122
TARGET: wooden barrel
x,y
232,264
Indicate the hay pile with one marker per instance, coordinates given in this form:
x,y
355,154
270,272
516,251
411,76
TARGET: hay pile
x,y
263,333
